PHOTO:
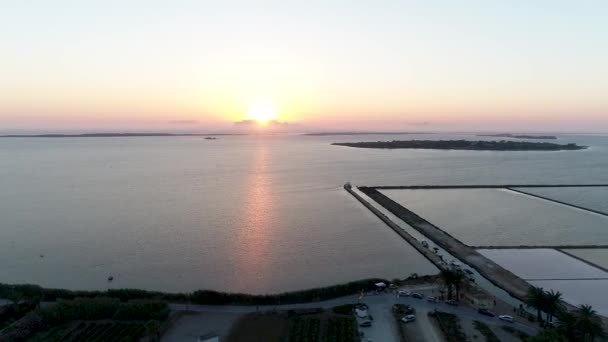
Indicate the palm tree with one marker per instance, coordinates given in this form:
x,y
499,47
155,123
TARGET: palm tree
x,y
552,301
567,324
536,300
458,278
446,278
589,323
452,279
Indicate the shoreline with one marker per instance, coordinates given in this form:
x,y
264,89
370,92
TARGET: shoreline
x,y
465,145
212,297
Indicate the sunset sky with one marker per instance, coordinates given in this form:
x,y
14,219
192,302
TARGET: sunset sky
x,y
398,65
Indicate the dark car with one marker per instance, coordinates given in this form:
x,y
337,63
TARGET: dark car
x,y
366,324
417,295
486,312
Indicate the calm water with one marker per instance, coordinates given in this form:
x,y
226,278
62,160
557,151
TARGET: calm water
x,y
254,214
542,264
500,217
597,256
591,198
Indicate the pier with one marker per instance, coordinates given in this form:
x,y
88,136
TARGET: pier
x,y
427,253
497,275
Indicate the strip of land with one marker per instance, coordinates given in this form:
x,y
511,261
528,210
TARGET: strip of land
x,y
485,186
427,253
513,285
544,247
323,134
114,135
463,145
519,136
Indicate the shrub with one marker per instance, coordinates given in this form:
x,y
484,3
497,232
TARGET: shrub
x,y
345,309
485,330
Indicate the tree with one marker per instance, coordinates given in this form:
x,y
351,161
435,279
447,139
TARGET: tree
x,y
536,299
458,279
447,279
552,303
589,323
567,324
452,278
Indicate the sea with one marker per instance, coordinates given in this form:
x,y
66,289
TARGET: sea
x,y
252,213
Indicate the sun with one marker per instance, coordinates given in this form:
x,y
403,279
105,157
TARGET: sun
x,y
262,112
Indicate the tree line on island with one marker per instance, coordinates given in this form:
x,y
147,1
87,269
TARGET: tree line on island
x,y
502,145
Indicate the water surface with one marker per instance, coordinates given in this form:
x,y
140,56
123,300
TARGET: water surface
x,y
242,213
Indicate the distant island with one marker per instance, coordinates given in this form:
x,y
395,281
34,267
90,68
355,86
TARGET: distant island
x,y
519,136
114,135
464,145
322,134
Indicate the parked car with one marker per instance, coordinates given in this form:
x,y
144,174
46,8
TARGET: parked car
x,y
451,302
432,299
417,295
366,324
486,312
408,318
393,286
403,293
506,318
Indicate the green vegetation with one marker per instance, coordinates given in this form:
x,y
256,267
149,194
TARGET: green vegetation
x,y
582,324
198,297
345,309
27,291
13,312
304,329
339,329
544,301
465,145
87,309
450,326
517,333
549,336
95,331
452,278
485,330
305,296
321,326
519,136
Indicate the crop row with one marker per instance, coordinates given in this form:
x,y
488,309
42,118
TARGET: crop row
x,y
98,332
339,330
304,329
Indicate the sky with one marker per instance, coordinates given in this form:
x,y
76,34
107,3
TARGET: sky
x,y
317,65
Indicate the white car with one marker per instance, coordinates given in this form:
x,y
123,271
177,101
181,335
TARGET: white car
x,y
404,293
506,318
408,318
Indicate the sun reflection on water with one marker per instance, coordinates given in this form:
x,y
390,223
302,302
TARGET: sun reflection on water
x,y
255,235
